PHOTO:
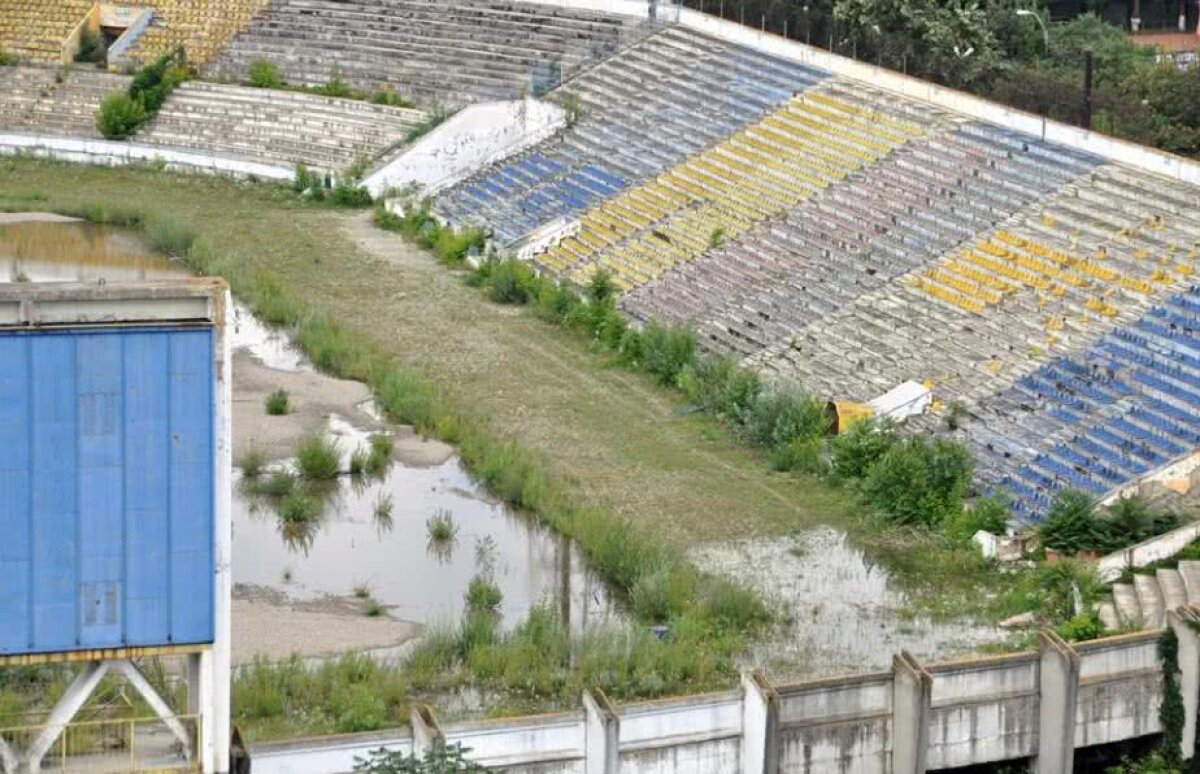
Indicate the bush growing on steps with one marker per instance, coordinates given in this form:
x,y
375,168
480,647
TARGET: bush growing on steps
x,y
8,59
91,47
264,74
120,115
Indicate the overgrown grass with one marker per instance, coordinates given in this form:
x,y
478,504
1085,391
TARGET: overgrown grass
x,y
299,507
318,458
441,527
278,403
252,462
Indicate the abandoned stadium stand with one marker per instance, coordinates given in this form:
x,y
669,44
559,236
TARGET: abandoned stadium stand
x,y
443,53
642,110
36,30
44,101
278,126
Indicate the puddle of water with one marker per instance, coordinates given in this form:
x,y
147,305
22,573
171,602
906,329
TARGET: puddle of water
x,y
77,252
415,578
844,612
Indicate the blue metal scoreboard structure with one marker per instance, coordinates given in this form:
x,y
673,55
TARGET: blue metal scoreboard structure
x,y
114,492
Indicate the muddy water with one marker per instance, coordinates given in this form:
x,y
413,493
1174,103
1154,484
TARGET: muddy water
x,y
844,614
348,546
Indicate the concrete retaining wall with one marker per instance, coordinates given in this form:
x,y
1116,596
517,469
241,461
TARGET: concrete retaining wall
x,y
118,154
469,140
1038,706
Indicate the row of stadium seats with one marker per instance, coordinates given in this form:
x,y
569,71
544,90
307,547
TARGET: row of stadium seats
x,y
763,170
643,110
1131,243
920,202
433,51
278,126
36,29
1097,420
202,27
42,100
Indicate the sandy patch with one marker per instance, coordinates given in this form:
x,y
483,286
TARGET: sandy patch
x,y
314,397
266,623
34,217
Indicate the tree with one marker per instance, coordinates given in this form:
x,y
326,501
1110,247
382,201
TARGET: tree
x,y
438,759
920,482
1071,525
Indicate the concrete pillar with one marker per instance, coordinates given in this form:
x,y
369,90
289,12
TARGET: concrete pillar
x,y
425,730
602,734
912,687
1058,692
216,664
1182,622
760,725
68,705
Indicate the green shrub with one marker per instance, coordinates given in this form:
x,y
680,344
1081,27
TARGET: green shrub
x,y
659,595
601,289
782,415
720,385
440,758
278,484
990,514
511,282
919,482
119,116
381,453
318,458
385,503
91,47
302,180
663,352
252,462
441,526
298,507
264,74
483,595
1072,525
8,59
346,193
391,98
358,462
154,82
852,453
1081,627
373,609
278,403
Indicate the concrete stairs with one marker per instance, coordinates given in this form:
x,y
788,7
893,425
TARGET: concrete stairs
x,y
1143,604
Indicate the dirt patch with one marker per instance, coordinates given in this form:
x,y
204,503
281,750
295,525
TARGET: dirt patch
x,y
314,397
267,624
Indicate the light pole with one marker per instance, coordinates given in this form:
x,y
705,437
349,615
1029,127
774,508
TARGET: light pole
x,y
1038,17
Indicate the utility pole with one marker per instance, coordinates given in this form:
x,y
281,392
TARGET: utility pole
x,y
1088,68
1135,17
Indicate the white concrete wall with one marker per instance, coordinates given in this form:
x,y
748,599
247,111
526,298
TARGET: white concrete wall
x,y
1162,547
983,710
1129,153
548,743
118,154
637,8
842,725
333,755
696,734
473,137
1120,688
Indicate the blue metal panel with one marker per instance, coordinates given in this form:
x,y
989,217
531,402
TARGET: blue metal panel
x,y
15,424
146,502
55,501
191,485
106,489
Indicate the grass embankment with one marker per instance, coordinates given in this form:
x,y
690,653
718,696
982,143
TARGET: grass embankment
x,y
604,455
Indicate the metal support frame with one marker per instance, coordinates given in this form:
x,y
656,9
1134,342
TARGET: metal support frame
x,y
73,700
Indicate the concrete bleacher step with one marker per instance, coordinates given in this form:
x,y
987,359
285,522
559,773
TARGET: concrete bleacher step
x,y
1189,569
1150,598
1108,616
1174,594
1129,609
